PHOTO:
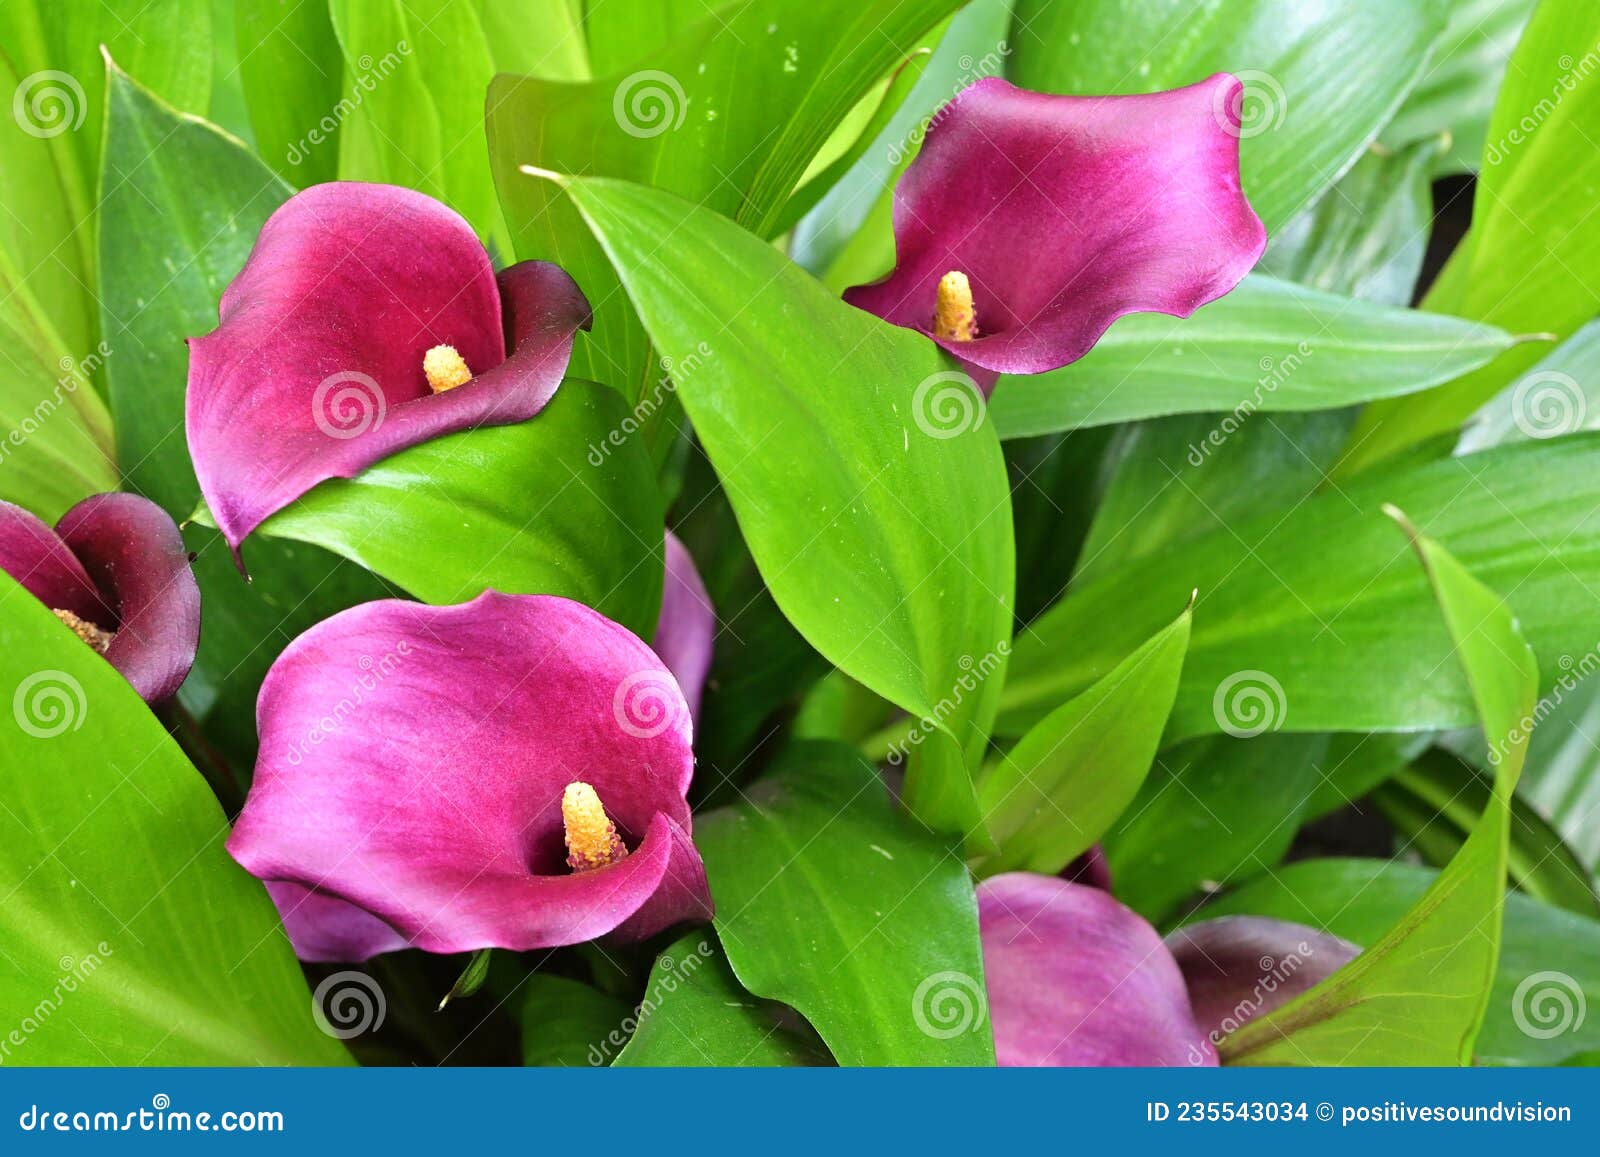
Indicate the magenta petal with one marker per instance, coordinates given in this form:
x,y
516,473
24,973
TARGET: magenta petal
x,y
117,561
688,624
1065,213
133,551
315,371
46,568
1240,967
1075,978
413,759
325,928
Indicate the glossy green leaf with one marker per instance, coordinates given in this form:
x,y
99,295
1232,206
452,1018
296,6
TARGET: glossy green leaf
x,y
1548,982
519,509
170,245
131,937
1456,94
832,902
695,1014
1560,394
1066,781
1313,620
1269,345
1531,214
568,1024
1320,79
880,521
1434,804
293,78
728,113
1418,994
1212,812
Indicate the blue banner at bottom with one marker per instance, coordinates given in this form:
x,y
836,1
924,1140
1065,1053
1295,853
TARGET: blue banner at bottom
x,y
704,1111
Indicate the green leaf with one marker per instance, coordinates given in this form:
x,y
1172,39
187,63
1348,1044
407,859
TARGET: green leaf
x,y
1531,214
1314,615
170,244
695,1014
1365,237
471,978
519,509
567,1024
1064,784
1212,812
883,535
831,902
1435,803
131,937
1269,345
1465,71
1560,394
1320,79
293,80
1418,994
728,114
1549,958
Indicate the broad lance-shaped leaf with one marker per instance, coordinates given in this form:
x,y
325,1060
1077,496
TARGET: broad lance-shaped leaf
x,y
1320,80
832,902
1283,640
866,482
519,509
1064,784
1418,994
728,113
130,937
695,1014
291,74
1548,982
1269,345
1531,213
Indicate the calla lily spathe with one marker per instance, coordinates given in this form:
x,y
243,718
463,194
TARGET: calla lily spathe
x,y
510,772
116,572
1029,223
367,319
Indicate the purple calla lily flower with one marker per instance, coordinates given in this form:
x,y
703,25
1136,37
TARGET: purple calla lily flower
x,y
1029,223
115,571
367,319
688,625
509,772
1076,978
1240,967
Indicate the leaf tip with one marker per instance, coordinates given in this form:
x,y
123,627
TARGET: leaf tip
x,y
544,174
